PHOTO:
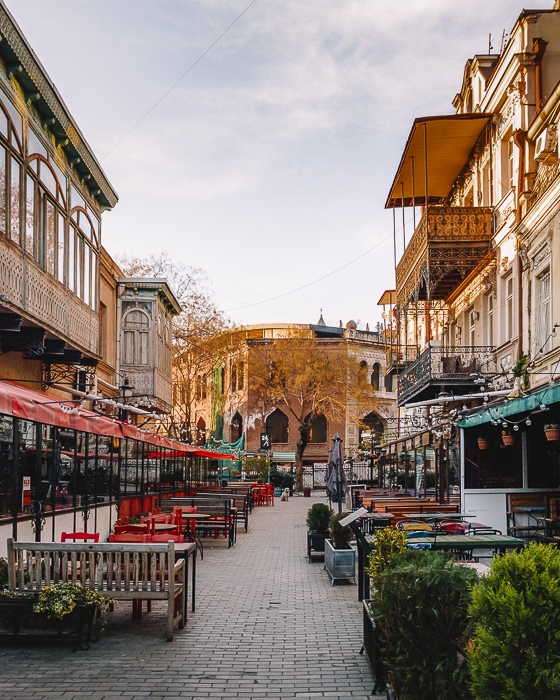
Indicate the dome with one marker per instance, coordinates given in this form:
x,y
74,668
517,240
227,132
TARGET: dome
x,y
351,326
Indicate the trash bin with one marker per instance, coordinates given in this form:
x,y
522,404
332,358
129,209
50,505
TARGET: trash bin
x,y
307,491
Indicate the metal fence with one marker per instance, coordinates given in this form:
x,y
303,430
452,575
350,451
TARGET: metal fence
x,y
314,475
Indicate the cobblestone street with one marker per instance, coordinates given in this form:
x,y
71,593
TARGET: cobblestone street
x,y
267,625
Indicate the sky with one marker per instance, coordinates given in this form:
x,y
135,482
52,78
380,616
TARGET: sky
x,y
257,139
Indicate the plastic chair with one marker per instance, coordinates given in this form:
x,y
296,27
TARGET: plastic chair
x,y
142,529
165,537
415,534
419,545
415,525
80,536
453,527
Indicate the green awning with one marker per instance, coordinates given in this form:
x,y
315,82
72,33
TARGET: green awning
x,y
547,396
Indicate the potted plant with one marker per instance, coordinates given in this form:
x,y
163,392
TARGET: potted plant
x,y
318,519
420,607
508,438
388,542
482,442
63,610
340,557
515,614
552,431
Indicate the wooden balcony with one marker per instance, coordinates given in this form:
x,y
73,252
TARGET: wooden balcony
x,y
447,245
440,368
44,304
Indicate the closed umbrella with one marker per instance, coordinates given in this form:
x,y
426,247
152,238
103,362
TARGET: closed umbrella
x,y
335,477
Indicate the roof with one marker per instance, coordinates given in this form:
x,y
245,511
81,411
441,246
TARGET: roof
x,y
437,149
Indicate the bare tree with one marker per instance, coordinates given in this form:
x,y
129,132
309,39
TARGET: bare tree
x,y
310,378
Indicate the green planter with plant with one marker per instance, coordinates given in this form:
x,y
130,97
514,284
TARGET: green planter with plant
x,y
514,651
420,607
318,519
340,557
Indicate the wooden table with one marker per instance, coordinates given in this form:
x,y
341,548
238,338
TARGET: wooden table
x,y
184,550
462,543
438,516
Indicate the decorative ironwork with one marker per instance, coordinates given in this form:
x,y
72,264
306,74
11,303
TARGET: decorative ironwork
x,y
66,374
455,364
448,243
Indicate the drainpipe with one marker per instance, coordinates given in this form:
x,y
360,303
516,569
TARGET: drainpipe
x,y
539,47
519,138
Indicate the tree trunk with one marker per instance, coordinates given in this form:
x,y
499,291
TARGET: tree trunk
x,y
300,449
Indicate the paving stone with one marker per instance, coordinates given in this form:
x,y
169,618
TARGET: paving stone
x,y
267,625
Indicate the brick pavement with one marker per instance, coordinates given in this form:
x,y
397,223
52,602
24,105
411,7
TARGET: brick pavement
x,y
267,625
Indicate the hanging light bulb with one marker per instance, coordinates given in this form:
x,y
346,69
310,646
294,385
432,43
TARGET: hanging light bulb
x,y
542,407
515,426
504,424
528,421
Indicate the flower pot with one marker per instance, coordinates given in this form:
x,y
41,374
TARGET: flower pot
x,y
482,444
316,544
508,440
340,563
552,434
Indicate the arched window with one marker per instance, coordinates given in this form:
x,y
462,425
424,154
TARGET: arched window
x,y
200,431
374,426
363,370
318,429
375,377
136,338
236,427
277,426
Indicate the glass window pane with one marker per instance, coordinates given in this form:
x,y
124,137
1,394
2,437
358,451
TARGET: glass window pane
x,y
50,237
87,278
15,202
79,263
71,280
128,347
3,124
30,216
15,116
143,340
2,189
76,199
94,281
34,145
47,178
61,246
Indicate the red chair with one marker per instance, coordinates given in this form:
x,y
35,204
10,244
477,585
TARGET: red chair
x,y
128,537
165,537
80,536
453,527
142,529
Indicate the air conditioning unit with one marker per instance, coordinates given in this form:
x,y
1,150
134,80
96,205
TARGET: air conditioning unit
x,y
544,146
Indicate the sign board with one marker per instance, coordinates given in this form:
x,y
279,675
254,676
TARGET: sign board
x,y
265,441
26,492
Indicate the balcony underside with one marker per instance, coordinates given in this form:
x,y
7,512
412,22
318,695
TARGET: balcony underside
x,y
447,245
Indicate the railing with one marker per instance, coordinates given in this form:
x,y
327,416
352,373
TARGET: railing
x,y
466,233
400,355
437,363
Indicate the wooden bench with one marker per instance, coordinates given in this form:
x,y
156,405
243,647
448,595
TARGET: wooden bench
x,y
240,502
523,512
221,514
122,571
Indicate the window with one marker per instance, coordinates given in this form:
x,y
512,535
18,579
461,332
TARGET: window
x,y
509,309
544,324
490,320
507,150
318,431
471,318
136,338
236,427
277,426
375,377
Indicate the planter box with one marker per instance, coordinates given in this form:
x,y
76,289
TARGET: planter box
x,y
552,434
316,544
340,563
372,649
508,440
17,619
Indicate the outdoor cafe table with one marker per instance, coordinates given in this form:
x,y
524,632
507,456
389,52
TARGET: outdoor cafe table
x,y
438,516
184,550
462,543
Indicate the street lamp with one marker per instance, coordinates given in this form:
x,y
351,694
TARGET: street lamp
x,y
126,391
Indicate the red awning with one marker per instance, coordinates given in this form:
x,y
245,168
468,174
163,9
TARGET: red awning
x,y
19,402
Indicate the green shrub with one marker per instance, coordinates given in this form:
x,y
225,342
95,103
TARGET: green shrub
x,y
341,535
515,609
387,542
318,518
420,606
282,480
3,572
